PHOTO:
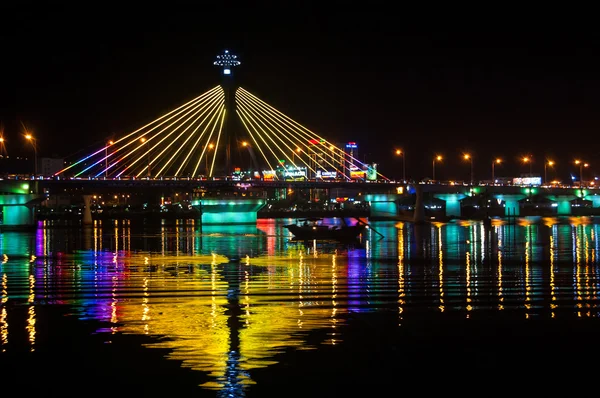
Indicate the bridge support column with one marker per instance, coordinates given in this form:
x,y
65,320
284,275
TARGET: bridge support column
x,y
419,212
595,200
383,205
511,203
230,210
564,203
452,202
17,209
87,211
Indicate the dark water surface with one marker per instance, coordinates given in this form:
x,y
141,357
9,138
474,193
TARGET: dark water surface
x,y
179,310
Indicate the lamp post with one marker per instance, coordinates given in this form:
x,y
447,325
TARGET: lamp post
x,y
106,159
29,137
298,150
144,140
548,163
470,159
399,152
2,147
210,146
494,163
439,159
527,159
581,166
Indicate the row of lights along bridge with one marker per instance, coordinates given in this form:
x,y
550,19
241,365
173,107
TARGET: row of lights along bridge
x,y
436,159
495,162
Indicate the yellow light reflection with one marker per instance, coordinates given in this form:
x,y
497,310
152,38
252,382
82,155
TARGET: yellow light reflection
x,y
401,292
553,305
468,282
441,269
30,326
500,287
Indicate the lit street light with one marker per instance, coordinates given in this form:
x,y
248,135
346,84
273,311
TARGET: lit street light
x,y
106,159
144,140
470,159
2,145
29,137
494,163
399,152
210,146
548,163
581,166
294,154
439,159
527,159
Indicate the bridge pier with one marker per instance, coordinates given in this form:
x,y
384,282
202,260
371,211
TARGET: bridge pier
x,y
230,210
452,202
419,212
87,211
511,203
17,210
595,199
383,205
564,203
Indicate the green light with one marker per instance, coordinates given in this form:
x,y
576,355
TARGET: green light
x,y
25,187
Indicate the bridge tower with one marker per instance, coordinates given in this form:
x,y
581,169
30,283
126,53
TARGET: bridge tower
x,y
228,61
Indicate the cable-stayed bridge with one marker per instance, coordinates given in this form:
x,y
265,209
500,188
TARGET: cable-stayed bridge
x,y
225,131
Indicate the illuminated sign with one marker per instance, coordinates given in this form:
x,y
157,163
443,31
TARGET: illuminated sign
x,y
351,145
357,174
268,174
326,174
372,172
299,172
227,71
527,181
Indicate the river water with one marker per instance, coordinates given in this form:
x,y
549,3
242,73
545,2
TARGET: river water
x,y
174,309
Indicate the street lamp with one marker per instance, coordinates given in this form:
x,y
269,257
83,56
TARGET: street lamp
x,y
527,159
399,152
548,163
436,158
144,140
494,163
470,159
29,137
2,147
106,159
210,146
294,154
581,166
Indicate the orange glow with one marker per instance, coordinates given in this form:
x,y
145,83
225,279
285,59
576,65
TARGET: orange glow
x,y
110,142
244,143
211,146
298,150
467,156
577,161
550,163
29,137
498,161
143,139
526,159
398,152
438,157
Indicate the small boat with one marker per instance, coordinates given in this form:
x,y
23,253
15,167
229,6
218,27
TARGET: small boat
x,y
312,228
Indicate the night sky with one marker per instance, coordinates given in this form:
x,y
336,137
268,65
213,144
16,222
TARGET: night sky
x,y
80,79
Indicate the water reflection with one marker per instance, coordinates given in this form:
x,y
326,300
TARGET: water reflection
x,y
228,300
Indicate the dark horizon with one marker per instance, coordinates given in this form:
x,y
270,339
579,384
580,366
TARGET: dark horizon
x,y
489,94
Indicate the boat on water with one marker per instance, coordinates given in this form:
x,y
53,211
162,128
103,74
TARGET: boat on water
x,y
313,228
